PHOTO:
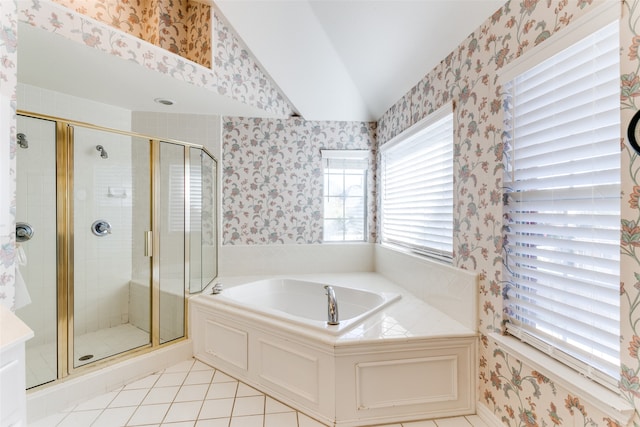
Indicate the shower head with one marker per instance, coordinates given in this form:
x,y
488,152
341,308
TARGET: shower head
x,y
103,152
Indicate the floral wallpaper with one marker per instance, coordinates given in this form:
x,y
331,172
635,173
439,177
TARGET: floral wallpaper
x,y
179,26
518,394
239,75
8,84
272,177
198,44
239,79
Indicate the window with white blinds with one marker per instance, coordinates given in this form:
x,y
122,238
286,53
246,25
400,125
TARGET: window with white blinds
x,y
562,206
417,187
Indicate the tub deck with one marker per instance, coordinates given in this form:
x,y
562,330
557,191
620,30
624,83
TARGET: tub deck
x,y
408,317
409,361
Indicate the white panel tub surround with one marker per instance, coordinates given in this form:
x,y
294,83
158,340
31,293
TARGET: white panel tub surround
x,y
403,362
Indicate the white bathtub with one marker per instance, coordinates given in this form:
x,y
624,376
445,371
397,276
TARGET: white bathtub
x,y
393,358
305,303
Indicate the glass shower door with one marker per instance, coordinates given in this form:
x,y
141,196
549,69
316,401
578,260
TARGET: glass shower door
x,y
36,285
112,261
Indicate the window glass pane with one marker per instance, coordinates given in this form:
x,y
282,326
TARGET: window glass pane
x,y
335,184
354,229
354,185
354,207
345,177
333,207
333,230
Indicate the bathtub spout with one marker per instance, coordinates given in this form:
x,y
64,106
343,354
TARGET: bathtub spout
x,y
332,306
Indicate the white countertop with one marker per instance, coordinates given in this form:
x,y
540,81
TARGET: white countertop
x,y
12,329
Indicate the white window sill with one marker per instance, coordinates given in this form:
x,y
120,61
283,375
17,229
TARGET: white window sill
x,y
605,400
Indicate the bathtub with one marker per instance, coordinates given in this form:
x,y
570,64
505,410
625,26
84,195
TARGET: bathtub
x,y
305,303
393,358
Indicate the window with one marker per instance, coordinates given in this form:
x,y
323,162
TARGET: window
x,y
345,195
562,205
417,187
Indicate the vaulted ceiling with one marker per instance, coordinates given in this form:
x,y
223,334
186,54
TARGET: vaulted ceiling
x,y
333,59
352,59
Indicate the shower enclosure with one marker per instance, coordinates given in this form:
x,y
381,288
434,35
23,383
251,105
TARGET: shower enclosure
x,y
114,229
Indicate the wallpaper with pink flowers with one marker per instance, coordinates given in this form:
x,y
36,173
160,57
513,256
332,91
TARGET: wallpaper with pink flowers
x,y
272,177
515,393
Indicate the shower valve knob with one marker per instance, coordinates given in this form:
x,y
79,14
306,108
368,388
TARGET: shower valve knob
x,y
24,232
101,227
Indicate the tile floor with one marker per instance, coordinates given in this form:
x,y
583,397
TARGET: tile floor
x,y
192,394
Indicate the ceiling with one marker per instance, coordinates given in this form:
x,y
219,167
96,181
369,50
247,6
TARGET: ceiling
x,y
333,59
352,59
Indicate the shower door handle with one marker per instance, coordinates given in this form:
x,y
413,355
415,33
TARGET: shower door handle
x,y
148,243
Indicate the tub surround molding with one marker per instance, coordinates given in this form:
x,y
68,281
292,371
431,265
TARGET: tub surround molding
x,y
452,290
605,400
250,260
358,378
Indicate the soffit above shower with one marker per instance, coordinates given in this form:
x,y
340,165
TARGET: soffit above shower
x,y
53,62
352,60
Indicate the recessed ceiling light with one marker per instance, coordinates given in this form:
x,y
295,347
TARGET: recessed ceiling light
x,y
163,101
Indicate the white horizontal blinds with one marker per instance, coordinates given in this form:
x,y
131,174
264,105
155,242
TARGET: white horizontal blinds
x,y
563,205
417,191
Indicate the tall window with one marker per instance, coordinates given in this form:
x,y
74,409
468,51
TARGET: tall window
x,y
345,195
563,205
417,187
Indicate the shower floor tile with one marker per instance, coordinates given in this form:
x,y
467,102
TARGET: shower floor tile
x,y
179,396
42,365
107,342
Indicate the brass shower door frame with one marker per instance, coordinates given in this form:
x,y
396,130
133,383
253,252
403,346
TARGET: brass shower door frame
x,y
65,243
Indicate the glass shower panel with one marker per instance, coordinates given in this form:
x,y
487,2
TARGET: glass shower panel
x,y
195,230
209,219
111,213
203,239
36,285
172,227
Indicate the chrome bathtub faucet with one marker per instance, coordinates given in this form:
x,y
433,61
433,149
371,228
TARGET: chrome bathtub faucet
x,y
332,306
217,288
